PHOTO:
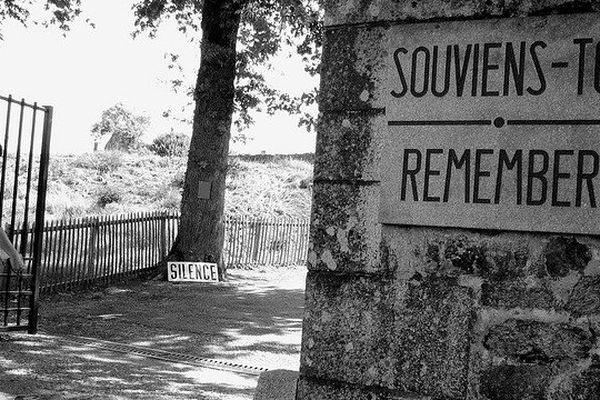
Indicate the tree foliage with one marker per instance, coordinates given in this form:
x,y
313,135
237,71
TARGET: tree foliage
x,y
267,27
171,145
55,12
124,127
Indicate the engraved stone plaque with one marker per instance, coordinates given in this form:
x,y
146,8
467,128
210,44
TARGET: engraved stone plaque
x,y
493,124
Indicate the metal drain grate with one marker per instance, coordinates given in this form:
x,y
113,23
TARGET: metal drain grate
x,y
164,355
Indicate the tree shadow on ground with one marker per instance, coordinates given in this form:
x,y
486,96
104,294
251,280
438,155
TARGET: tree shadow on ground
x,y
253,319
47,368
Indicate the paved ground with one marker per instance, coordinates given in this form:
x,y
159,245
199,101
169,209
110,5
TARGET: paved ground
x,y
253,319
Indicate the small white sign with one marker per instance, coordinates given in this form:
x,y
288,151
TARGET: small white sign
x,y
186,271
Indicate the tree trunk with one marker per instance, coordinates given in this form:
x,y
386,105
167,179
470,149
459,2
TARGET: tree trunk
x,y
200,235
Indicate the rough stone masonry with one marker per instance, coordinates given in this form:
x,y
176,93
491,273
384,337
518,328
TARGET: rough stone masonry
x,y
413,297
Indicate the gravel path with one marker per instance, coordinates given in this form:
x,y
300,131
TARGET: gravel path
x,y
253,319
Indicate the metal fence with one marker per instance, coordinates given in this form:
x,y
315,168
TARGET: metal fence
x,y
24,157
80,252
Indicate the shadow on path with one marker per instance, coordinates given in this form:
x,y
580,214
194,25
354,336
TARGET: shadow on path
x,y
253,319
46,368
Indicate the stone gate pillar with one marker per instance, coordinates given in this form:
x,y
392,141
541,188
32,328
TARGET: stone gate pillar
x,y
454,242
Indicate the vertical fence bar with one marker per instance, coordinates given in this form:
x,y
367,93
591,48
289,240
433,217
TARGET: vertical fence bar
x,y
39,218
130,240
28,187
256,240
75,267
78,233
156,250
147,240
92,247
137,235
46,252
15,193
139,239
236,240
287,244
113,237
5,156
117,247
163,236
80,259
264,239
102,248
7,276
146,247
68,254
57,266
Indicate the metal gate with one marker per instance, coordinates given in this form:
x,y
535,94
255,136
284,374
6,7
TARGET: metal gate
x,y
23,181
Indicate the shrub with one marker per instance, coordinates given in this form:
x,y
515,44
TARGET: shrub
x,y
171,145
109,161
108,195
102,161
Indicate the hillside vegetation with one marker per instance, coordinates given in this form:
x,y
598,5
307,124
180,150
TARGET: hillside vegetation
x,y
113,182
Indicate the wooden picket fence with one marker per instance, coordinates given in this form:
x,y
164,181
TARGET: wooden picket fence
x,y
85,251
276,241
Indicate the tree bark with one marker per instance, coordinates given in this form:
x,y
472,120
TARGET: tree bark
x,y
200,236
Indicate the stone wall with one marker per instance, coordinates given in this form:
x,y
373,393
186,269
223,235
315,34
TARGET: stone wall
x,y
431,313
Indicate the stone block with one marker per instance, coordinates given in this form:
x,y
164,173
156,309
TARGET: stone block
x,y
448,252
519,294
279,384
352,58
345,234
349,145
322,390
433,339
361,11
586,386
515,382
565,254
585,297
580,385
348,329
538,342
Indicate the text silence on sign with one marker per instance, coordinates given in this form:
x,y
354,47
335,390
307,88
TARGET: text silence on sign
x,y
494,125
192,272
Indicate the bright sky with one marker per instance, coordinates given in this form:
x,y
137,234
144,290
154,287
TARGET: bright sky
x,y
90,70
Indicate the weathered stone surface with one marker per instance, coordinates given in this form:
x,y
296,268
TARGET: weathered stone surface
x,y
538,342
453,252
404,309
564,254
345,234
279,384
585,297
349,145
433,338
515,382
359,11
579,385
348,329
517,294
351,58
321,390
586,386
